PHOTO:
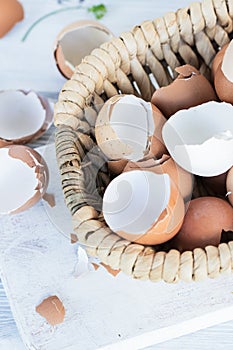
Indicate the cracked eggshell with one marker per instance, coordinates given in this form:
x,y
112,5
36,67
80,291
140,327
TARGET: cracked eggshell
x,y
204,221
124,127
76,41
166,165
200,139
23,178
11,12
143,207
24,116
229,185
189,89
223,78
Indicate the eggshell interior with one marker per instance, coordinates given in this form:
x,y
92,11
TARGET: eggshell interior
x,y
133,201
21,114
200,139
124,127
77,41
23,178
227,67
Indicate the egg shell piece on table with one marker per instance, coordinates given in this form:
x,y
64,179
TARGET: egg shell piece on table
x,y
126,128
200,139
24,116
223,78
52,310
11,12
203,223
76,41
189,89
166,165
229,185
23,178
143,207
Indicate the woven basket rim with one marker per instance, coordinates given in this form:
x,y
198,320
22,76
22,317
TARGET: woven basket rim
x,y
189,35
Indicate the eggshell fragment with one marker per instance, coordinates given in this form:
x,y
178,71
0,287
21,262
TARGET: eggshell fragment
x,y
166,165
11,12
189,89
229,185
129,128
217,60
76,41
52,310
143,207
200,139
24,116
23,178
223,78
204,221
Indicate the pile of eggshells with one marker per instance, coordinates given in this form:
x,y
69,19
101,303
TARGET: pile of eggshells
x,y
159,151
24,117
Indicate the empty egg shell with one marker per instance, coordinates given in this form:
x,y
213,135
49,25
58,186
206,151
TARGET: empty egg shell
x,y
11,12
128,128
200,139
229,185
223,78
143,207
76,41
166,165
24,116
204,221
23,178
189,89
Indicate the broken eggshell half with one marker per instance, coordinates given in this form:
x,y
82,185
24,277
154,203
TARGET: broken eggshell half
x,y
126,129
23,178
166,165
200,139
189,89
76,41
24,116
143,207
223,78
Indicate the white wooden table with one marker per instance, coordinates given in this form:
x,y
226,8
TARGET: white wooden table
x,y
30,65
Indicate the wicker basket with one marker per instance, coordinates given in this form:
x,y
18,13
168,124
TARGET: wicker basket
x,y
131,64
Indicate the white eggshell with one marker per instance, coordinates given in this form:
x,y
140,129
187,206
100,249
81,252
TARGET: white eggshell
x,y
200,139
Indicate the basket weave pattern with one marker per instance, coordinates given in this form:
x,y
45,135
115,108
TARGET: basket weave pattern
x,y
131,64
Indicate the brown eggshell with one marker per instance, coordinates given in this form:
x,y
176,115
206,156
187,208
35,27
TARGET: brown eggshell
x,y
216,185
189,89
157,147
52,310
47,123
166,165
204,221
229,185
223,86
166,226
116,167
217,60
27,155
80,48
11,12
